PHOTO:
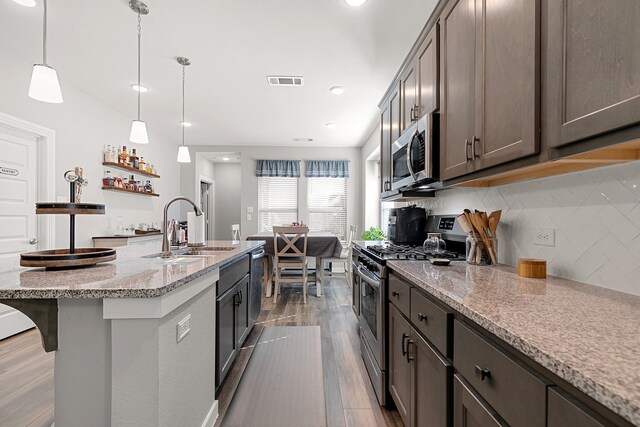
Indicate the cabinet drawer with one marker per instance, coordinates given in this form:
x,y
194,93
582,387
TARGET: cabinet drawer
x,y
432,321
399,294
469,409
516,393
231,273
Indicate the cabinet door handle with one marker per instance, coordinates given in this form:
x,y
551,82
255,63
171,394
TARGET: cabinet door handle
x,y
411,114
476,154
395,294
416,112
409,356
422,317
405,337
467,145
483,373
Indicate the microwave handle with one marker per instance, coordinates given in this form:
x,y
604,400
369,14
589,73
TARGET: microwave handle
x,y
409,159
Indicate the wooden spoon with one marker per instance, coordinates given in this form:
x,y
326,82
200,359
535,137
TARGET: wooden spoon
x,y
494,220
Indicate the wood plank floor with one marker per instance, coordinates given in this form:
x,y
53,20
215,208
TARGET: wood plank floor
x,y
26,381
349,395
26,371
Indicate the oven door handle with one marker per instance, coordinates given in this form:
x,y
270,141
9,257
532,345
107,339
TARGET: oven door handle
x,y
367,279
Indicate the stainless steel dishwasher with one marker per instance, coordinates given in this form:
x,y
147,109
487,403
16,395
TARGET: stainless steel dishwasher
x,y
255,287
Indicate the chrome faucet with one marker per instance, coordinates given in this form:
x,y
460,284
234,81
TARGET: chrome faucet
x,y
165,232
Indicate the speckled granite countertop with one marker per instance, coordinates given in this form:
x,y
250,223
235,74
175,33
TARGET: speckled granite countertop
x,y
131,275
587,335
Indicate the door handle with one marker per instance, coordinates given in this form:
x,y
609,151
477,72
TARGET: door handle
x,y
467,143
405,337
395,294
422,317
473,147
409,356
33,241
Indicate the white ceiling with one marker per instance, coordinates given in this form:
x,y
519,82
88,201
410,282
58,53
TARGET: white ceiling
x,y
233,45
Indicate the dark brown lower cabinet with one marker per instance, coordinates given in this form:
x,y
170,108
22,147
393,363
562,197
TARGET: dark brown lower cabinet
x,y
563,410
419,376
399,367
431,384
469,409
225,334
242,311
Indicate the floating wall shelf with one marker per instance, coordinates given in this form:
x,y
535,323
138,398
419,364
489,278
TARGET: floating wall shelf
x,y
124,190
130,169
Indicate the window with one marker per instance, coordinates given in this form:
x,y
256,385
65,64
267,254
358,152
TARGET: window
x,y
327,205
277,201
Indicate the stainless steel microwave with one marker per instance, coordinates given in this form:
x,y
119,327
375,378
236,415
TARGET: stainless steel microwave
x,y
414,155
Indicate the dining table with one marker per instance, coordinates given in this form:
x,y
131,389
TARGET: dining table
x,y
320,245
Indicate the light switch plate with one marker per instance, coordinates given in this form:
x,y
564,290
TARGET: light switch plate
x,y
248,217
184,326
249,209
544,237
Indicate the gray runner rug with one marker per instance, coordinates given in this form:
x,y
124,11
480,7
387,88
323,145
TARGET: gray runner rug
x,y
282,385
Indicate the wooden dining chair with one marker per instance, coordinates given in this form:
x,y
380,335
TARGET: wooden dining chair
x,y
288,255
345,255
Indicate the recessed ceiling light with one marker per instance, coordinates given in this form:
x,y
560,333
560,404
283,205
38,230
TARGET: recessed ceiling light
x,y
355,3
186,124
337,90
26,3
226,159
331,125
302,139
141,88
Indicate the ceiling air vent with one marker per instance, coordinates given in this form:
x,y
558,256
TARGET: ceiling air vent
x,y
285,80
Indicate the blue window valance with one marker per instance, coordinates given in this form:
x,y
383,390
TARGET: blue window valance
x,y
288,168
327,169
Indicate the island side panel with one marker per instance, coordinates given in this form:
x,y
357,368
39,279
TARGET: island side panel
x,y
82,379
158,381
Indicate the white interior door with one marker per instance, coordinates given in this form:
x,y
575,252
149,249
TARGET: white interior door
x,y
18,223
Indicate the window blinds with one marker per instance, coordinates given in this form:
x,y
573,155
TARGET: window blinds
x,y
277,202
327,205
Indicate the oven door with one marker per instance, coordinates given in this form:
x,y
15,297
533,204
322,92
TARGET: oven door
x,y
371,313
411,156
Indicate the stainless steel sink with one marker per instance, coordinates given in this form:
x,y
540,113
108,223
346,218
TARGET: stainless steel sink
x,y
191,254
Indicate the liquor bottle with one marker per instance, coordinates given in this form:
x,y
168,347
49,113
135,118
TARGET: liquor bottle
x,y
134,159
106,154
124,156
114,156
107,181
142,164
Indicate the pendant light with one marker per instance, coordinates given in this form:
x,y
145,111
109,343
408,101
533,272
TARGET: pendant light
x,y
138,133
183,150
44,79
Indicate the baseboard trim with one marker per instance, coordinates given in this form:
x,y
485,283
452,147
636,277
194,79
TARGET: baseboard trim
x,y
212,416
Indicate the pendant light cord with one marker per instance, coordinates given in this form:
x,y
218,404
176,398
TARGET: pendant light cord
x,y
139,87
44,34
183,106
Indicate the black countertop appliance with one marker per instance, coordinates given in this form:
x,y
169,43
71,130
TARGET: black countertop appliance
x,y
406,225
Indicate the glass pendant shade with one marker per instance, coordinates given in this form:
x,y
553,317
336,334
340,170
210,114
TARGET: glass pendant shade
x,y
183,155
138,133
44,84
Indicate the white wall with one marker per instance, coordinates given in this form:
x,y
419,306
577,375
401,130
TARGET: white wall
x,y
83,126
595,215
227,199
249,186
370,156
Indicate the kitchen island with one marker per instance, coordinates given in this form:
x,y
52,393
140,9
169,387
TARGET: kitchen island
x,y
134,338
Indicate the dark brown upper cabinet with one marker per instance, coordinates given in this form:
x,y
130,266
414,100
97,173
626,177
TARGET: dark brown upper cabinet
x,y
385,148
409,97
593,68
457,87
427,60
489,84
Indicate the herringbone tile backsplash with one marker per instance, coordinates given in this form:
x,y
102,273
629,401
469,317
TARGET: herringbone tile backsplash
x,y
595,214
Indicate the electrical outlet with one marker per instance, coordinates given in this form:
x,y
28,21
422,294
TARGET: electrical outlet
x,y
184,326
248,217
544,237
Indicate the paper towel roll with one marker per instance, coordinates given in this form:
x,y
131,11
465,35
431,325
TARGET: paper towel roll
x,y
195,225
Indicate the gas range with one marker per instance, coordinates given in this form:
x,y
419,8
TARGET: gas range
x,y
391,251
